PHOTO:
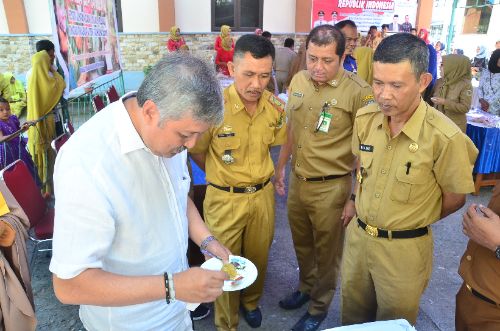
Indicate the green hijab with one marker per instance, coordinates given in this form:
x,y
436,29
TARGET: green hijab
x,y
455,68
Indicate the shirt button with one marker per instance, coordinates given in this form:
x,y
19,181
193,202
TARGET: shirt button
x,y
469,258
310,108
383,171
389,147
377,195
305,127
298,164
299,146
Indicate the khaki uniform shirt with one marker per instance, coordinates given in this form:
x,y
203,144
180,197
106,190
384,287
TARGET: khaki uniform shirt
x,y
458,101
479,266
403,177
284,59
243,141
317,154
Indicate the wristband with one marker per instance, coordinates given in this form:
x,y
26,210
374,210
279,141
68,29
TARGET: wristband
x,y
205,242
353,197
171,288
167,287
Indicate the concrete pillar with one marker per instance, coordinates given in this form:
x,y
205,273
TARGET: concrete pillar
x,y
16,16
166,11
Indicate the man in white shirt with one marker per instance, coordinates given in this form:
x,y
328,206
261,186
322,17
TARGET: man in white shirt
x,y
321,19
123,215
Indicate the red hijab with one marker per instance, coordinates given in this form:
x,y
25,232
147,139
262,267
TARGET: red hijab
x,y
424,35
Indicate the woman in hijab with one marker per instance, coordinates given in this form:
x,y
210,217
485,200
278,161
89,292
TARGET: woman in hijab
x,y
225,31
424,35
479,62
46,86
453,91
489,85
224,55
175,41
17,99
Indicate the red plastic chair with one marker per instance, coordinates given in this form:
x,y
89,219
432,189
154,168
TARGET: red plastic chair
x,y
24,189
112,94
59,141
97,103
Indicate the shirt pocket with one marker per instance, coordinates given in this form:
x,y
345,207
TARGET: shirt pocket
x,y
410,184
341,120
366,160
268,136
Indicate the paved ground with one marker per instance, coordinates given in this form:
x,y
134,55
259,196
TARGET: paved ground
x,y
436,309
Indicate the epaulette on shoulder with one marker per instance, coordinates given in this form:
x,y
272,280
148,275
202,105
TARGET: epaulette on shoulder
x,y
355,78
277,103
371,108
441,122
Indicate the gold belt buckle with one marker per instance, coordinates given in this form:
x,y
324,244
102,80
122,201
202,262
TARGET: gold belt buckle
x,y
371,230
302,178
250,189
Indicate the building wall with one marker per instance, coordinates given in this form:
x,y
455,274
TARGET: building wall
x,y
140,16
4,28
193,15
279,16
38,16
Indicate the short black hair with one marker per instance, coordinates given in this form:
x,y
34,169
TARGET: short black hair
x,y
266,34
373,27
289,42
492,63
340,25
402,47
44,45
385,26
325,35
413,29
258,46
396,15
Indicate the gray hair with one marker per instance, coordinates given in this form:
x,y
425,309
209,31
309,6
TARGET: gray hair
x,y
181,84
402,47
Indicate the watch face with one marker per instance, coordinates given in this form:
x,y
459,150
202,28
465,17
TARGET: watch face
x,y
497,252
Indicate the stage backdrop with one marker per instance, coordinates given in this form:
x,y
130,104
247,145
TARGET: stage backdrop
x,y
365,12
85,32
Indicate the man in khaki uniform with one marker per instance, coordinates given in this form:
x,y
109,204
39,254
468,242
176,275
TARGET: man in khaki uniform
x,y
322,103
239,203
415,168
478,300
284,57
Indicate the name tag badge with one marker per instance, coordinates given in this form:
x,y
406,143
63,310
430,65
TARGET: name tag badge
x,y
366,148
325,124
224,135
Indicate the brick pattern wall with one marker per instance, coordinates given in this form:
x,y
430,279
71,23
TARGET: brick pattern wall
x,y
137,50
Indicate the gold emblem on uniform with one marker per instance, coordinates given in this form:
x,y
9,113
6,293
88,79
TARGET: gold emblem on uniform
x,y
333,102
227,158
413,147
227,128
279,124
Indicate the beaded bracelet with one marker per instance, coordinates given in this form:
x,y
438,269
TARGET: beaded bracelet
x,y
167,287
205,242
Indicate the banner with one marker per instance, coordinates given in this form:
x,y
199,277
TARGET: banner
x,y
87,43
366,13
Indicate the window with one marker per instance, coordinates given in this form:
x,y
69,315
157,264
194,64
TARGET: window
x,y
240,15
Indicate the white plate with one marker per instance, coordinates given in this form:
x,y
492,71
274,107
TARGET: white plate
x,y
249,272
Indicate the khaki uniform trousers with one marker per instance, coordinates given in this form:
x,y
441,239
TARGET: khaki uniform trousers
x,y
474,314
383,279
244,223
314,211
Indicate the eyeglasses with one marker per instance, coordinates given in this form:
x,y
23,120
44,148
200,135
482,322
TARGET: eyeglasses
x,y
322,116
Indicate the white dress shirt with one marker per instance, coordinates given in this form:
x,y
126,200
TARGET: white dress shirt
x,y
121,209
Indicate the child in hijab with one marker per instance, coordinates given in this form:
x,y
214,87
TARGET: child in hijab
x,y
225,31
175,41
453,91
17,99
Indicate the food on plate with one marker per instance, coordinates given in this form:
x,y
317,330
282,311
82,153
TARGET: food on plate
x,y
230,270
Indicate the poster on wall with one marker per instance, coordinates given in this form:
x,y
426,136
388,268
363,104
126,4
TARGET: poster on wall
x,y
85,32
400,15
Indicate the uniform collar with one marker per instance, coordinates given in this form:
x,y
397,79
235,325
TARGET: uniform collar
x,y
411,128
127,134
336,81
237,105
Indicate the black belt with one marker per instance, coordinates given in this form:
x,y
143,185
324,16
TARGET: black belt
x,y
248,189
320,179
480,296
403,234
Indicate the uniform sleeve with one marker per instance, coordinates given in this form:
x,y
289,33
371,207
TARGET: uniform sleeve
x,y
203,143
355,138
464,102
454,164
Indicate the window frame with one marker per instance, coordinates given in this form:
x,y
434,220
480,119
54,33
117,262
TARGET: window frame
x,y
237,17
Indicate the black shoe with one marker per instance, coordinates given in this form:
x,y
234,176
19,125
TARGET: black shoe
x,y
309,322
294,300
200,312
253,317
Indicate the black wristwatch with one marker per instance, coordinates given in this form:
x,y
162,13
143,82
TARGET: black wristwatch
x,y
497,252
353,197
